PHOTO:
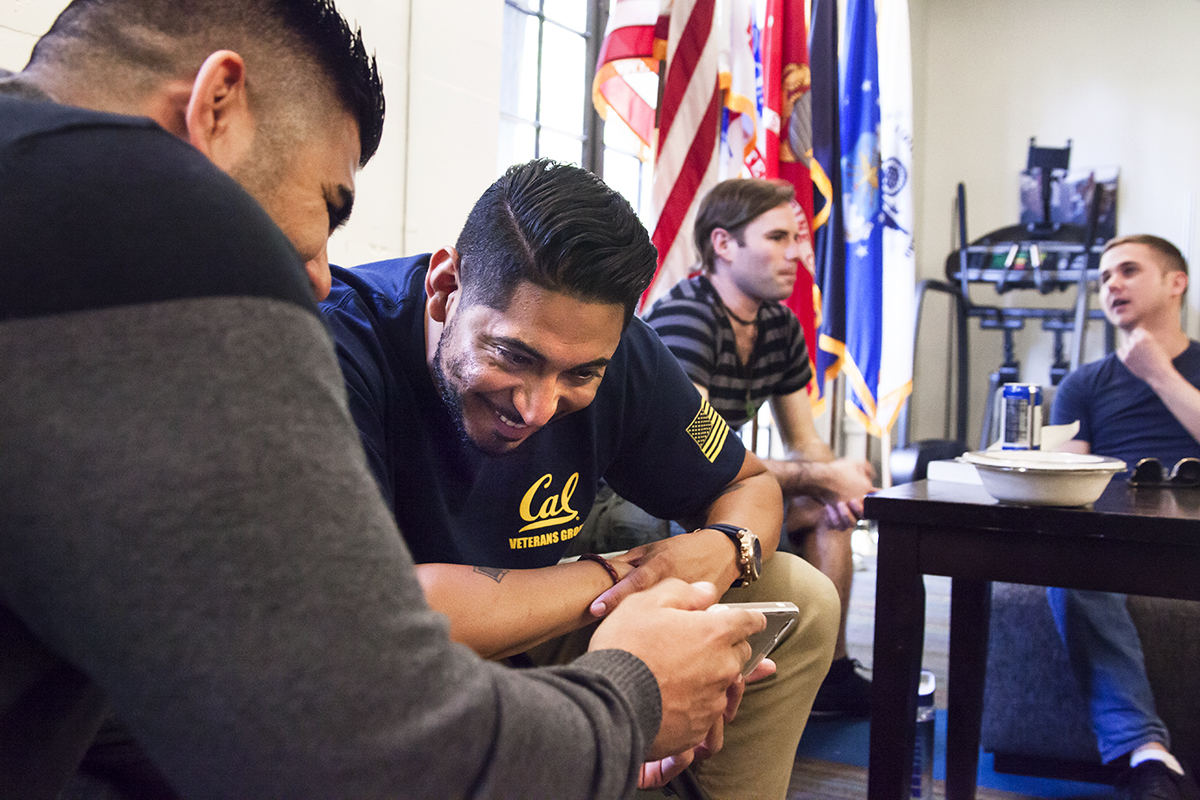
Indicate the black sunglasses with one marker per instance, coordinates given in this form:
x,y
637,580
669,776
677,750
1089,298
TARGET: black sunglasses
x,y
1151,472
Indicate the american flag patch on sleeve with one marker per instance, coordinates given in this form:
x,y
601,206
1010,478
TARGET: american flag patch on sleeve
x,y
708,430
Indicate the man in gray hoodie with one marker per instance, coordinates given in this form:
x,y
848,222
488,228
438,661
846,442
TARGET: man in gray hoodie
x,y
169,176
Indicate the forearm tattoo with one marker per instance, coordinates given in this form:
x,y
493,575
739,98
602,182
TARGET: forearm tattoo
x,y
494,573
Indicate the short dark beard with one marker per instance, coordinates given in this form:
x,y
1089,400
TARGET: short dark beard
x,y
451,397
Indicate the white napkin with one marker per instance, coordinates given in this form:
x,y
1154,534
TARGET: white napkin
x,y
1053,436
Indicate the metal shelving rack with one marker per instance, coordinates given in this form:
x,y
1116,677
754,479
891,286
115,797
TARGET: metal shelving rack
x,y
1046,257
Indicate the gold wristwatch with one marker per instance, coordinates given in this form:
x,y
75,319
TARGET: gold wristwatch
x,y
749,551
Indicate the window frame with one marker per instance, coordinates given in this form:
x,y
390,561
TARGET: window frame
x,y
592,138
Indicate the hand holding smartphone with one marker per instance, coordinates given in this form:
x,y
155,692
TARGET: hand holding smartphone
x,y
780,618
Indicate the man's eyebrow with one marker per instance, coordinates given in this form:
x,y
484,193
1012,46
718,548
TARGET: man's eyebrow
x,y
530,352
516,345
339,200
1110,271
594,363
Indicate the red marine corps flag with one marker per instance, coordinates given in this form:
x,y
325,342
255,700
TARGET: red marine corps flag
x,y
787,138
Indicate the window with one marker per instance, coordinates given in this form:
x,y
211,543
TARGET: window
x,y
624,170
550,52
550,49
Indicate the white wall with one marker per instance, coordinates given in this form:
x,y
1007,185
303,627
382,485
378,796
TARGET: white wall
x,y
375,230
454,118
21,21
1117,78
441,74
441,71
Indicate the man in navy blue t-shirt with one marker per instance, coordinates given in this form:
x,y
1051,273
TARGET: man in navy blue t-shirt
x,y
494,383
1141,401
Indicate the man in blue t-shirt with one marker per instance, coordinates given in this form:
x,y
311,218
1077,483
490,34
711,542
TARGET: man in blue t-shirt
x,y
1139,402
496,382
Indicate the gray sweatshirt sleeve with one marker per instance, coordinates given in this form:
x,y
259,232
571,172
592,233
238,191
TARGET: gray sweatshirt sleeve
x,y
189,520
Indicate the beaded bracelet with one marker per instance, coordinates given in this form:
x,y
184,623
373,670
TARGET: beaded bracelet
x,y
604,562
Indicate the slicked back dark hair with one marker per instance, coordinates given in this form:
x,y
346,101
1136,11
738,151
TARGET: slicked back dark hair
x,y
558,227
732,205
140,42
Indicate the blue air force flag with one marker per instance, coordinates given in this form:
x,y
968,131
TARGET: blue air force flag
x,y
859,351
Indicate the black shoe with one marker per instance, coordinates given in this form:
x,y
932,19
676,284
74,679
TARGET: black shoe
x,y
1154,780
843,692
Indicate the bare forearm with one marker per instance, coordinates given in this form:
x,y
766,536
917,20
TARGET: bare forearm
x,y
751,500
755,503
801,477
803,472
1150,357
499,612
1181,398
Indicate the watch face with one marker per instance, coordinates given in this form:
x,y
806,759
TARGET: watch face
x,y
757,563
749,550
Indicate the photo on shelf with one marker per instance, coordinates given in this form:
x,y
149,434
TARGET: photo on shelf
x,y
1071,197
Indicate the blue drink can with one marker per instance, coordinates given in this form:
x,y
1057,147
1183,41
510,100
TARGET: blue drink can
x,y
1021,410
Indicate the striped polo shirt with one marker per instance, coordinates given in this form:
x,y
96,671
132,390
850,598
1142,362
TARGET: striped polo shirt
x,y
691,321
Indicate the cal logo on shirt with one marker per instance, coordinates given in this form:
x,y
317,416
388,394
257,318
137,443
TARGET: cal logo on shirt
x,y
708,430
544,506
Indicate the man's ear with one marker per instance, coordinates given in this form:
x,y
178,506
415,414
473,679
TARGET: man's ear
x,y
218,117
441,283
722,243
1179,282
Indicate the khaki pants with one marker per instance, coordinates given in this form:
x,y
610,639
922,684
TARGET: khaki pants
x,y
760,744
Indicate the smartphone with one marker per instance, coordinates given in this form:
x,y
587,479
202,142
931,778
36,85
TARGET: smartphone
x,y
780,619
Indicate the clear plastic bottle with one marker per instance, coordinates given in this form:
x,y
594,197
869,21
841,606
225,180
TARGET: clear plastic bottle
x,y
922,774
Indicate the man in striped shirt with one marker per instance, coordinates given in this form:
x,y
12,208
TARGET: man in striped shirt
x,y
741,347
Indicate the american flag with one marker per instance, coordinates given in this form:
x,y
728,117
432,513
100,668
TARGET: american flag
x,y
685,141
626,82
708,430
685,165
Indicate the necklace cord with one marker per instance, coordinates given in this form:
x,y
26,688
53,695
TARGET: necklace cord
x,y
734,316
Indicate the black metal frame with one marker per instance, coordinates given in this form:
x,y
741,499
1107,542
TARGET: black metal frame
x,y
1074,254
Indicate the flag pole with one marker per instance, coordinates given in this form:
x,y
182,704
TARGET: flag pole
x,y
885,459
836,443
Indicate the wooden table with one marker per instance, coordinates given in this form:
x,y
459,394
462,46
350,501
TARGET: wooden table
x,y
1136,541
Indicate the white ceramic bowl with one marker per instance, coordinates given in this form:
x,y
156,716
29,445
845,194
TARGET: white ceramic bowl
x,y
1043,478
